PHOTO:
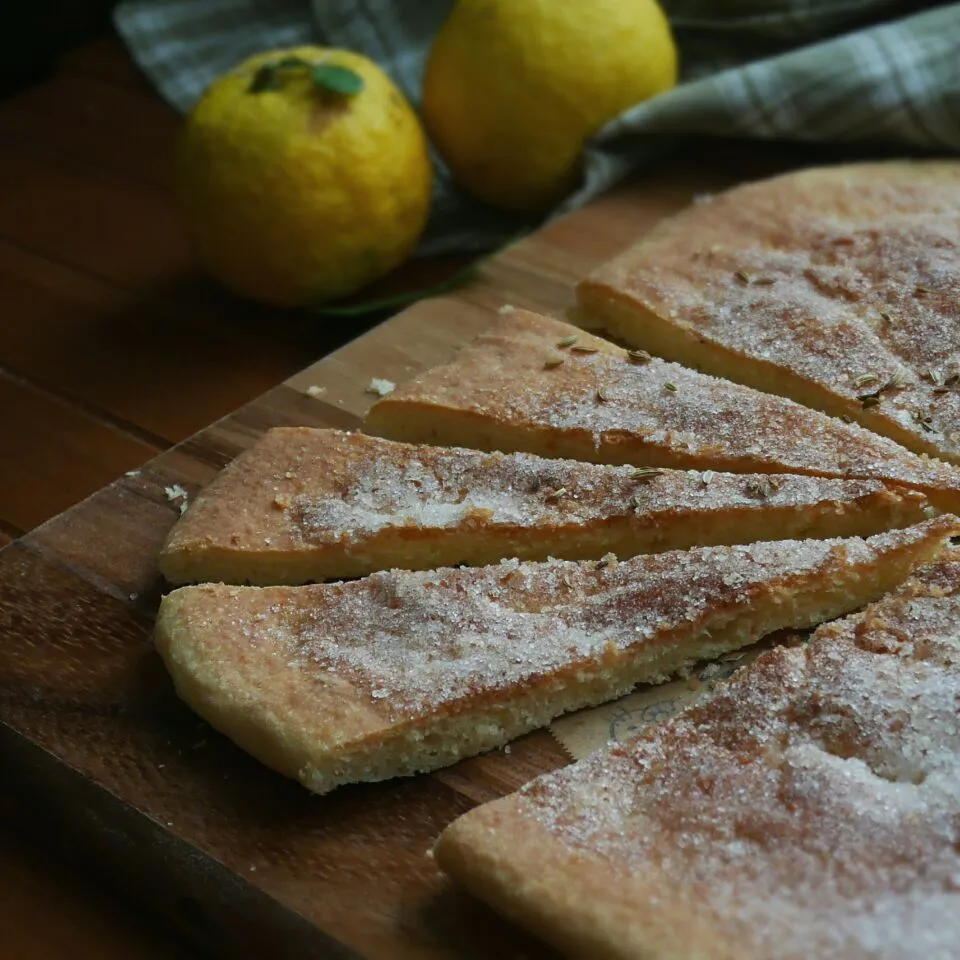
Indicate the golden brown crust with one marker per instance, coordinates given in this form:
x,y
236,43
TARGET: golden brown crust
x,y
829,286
809,810
221,667
305,504
406,671
604,407
578,903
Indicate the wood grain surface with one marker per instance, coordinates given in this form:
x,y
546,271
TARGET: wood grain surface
x,y
83,688
114,349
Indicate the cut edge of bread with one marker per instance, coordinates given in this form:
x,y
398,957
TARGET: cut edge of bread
x,y
331,734
188,561
430,408
602,307
240,529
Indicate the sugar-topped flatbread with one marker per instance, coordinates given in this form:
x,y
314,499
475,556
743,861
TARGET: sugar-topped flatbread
x,y
811,809
403,672
506,391
305,504
837,287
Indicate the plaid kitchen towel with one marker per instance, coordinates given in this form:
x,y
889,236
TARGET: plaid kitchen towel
x,y
839,70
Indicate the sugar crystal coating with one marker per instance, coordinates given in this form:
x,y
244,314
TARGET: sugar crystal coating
x,y
416,642
436,488
650,411
812,808
850,281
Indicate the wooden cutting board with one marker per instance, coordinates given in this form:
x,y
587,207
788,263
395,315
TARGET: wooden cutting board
x,y
93,734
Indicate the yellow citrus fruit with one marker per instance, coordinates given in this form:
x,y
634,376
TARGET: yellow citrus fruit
x,y
303,174
513,88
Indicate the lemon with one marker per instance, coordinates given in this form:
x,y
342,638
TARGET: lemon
x,y
303,174
513,88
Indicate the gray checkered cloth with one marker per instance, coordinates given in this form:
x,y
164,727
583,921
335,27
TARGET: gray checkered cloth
x,y
874,71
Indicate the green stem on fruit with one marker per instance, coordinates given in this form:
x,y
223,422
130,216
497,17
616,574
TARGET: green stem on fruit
x,y
335,78
327,77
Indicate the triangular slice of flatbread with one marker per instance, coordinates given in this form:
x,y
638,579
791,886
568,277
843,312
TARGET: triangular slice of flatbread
x,y
503,392
305,504
404,671
838,287
810,809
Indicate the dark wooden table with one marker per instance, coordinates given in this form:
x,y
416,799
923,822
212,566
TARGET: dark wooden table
x,y
112,347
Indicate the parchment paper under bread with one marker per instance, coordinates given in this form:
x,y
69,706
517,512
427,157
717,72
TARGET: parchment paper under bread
x,y
583,732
